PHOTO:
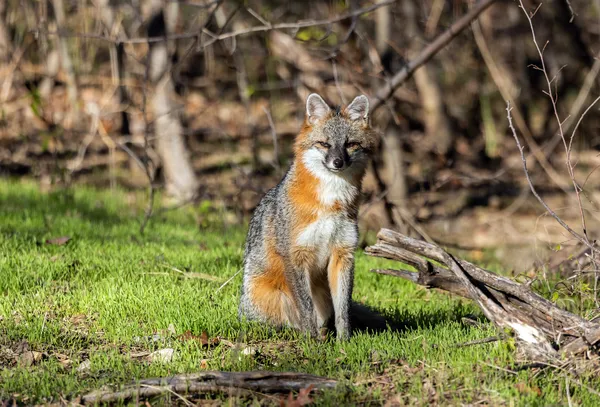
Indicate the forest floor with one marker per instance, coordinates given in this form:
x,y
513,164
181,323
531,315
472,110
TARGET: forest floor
x,y
86,301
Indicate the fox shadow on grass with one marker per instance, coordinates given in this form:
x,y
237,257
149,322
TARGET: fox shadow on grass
x,y
366,319
371,321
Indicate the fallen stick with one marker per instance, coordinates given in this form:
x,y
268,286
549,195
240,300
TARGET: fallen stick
x,y
540,326
478,342
212,382
489,339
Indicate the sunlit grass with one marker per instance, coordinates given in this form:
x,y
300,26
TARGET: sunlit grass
x,y
104,294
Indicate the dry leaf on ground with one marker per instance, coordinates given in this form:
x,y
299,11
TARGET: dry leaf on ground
x,y
203,339
58,241
302,399
30,358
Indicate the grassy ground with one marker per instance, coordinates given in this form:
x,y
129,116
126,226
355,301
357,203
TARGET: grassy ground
x,y
101,296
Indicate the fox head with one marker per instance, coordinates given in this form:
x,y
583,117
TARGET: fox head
x,y
337,140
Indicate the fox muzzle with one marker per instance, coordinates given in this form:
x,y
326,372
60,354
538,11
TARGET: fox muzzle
x,y
337,159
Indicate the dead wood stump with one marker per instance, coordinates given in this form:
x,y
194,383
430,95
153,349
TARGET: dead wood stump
x,y
543,330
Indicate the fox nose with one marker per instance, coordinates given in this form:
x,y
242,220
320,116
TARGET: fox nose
x,y
338,163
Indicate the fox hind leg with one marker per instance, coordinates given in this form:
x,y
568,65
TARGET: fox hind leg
x,y
266,297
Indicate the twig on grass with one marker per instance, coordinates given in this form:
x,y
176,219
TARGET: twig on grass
x,y
179,396
212,382
478,341
567,388
229,280
509,371
193,274
474,342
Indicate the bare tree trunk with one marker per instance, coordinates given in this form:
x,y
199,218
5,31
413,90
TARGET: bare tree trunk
x,y
65,58
180,178
117,58
52,68
5,42
383,19
392,173
52,57
437,125
393,157
242,83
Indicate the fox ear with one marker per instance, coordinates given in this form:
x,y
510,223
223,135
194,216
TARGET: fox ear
x,y
359,108
316,108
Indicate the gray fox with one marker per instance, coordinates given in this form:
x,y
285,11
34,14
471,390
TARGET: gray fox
x,y
299,254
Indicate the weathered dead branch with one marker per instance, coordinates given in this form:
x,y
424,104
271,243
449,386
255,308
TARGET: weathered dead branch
x,y
212,382
541,327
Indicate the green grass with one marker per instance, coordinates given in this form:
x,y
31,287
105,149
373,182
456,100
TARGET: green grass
x,y
104,292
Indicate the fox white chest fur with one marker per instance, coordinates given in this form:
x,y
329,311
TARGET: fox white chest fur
x,y
331,229
326,232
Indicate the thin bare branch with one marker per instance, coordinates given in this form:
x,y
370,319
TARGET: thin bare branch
x,y
573,233
251,30
508,90
428,52
275,144
570,10
553,100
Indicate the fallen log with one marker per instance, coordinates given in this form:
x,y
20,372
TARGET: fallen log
x,y
542,329
211,382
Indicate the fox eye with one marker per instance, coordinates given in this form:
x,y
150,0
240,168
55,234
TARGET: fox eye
x,y
323,144
353,145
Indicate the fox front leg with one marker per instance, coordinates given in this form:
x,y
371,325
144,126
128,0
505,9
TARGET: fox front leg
x,y
299,279
340,274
